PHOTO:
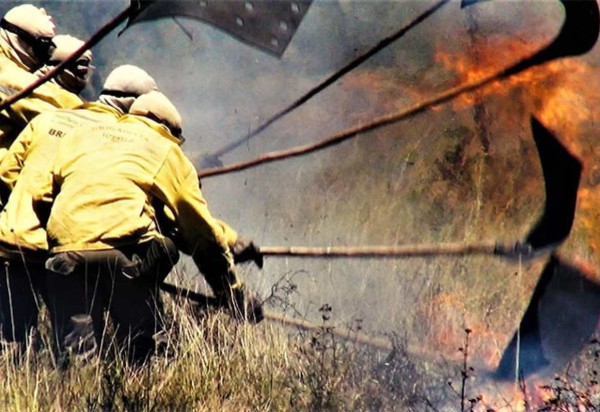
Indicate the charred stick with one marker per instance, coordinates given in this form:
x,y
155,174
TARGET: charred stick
x,y
344,333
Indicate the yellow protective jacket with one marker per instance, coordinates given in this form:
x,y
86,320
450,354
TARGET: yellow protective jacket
x,y
231,236
13,78
105,179
27,165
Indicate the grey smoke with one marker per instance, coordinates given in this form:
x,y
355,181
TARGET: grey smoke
x,y
367,191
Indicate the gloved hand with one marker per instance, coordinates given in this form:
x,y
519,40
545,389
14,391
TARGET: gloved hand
x,y
245,308
245,250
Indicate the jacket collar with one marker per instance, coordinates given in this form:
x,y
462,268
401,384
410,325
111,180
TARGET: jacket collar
x,y
157,127
100,107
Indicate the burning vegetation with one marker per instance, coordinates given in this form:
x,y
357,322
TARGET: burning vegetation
x,y
472,333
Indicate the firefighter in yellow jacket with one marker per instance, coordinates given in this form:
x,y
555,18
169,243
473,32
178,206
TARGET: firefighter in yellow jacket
x,y
26,34
23,245
105,179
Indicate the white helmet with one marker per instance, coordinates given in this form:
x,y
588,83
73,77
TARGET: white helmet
x,y
75,76
32,28
129,79
156,106
124,84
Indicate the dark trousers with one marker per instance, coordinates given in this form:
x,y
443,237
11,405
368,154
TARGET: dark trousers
x,y
22,291
123,283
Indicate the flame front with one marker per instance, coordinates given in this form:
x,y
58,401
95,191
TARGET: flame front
x,y
564,95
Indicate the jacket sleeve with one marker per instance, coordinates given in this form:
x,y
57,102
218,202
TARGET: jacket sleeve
x,y
231,236
204,237
13,160
46,97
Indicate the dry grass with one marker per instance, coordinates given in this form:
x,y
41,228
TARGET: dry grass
x,y
210,362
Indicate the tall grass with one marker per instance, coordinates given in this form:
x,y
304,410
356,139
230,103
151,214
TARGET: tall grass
x,y
207,361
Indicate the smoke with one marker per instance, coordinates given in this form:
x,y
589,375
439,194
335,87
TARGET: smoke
x,y
448,175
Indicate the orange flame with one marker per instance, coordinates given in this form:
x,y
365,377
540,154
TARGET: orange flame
x,y
532,394
563,94
558,93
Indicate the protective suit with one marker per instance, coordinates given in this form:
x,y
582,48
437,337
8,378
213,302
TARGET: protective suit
x,y
19,57
25,43
23,244
103,229
137,159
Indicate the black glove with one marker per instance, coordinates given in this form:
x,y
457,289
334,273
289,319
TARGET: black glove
x,y
245,250
245,308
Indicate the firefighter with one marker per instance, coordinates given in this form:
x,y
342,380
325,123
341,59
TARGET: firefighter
x,y
76,75
26,34
23,245
107,251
